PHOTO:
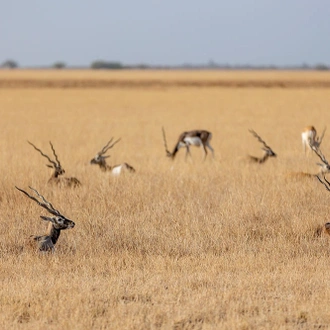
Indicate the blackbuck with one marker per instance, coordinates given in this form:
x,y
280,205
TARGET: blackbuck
x,y
267,149
56,223
191,138
324,167
326,184
309,138
56,177
100,159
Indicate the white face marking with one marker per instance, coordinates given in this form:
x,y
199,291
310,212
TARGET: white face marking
x,y
195,141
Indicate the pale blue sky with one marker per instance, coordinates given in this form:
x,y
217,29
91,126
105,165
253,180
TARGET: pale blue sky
x,y
259,32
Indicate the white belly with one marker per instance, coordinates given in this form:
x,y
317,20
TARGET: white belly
x,y
116,170
194,141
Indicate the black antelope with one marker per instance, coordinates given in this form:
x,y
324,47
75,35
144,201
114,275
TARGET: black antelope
x,y
56,223
100,159
57,178
191,138
309,138
267,149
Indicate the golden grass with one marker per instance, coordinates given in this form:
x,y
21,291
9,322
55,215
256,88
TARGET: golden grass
x,y
222,244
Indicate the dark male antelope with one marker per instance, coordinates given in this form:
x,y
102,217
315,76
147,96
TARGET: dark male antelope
x,y
57,178
267,149
309,138
56,223
191,138
100,159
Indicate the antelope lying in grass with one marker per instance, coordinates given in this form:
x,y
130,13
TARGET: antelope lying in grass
x,y
267,149
57,178
310,139
324,166
100,159
326,184
56,223
191,138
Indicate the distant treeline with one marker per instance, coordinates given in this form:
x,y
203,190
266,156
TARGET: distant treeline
x,y
115,65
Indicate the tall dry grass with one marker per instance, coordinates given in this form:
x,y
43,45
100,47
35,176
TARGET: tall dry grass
x,y
221,244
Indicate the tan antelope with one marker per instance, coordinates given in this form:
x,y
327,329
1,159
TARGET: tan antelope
x,y
309,138
57,178
100,159
324,166
326,184
191,138
267,149
56,223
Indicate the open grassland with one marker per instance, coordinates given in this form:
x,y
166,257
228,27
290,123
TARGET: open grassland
x,y
220,244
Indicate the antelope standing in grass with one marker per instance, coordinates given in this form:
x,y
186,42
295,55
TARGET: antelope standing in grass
x,y
267,149
100,159
56,223
309,138
57,178
191,138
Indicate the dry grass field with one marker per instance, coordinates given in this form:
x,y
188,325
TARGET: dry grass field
x,y
220,244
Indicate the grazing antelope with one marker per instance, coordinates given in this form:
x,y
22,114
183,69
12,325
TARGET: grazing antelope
x,y
309,138
56,223
100,160
191,138
56,178
268,151
326,184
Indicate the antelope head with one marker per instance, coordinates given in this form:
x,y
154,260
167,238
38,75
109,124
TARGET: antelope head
x,y
100,158
267,149
59,221
56,165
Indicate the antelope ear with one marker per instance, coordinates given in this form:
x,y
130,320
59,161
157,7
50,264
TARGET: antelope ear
x,y
49,165
106,156
47,218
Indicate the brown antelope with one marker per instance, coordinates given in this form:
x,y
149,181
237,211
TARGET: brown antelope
x,y
56,223
309,138
100,159
324,166
326,184
267,149
56,178
191,138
